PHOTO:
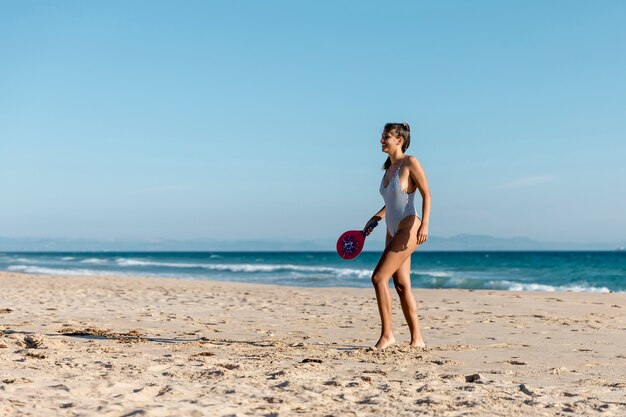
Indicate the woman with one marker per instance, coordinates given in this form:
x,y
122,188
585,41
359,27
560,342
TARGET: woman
x,y
405,230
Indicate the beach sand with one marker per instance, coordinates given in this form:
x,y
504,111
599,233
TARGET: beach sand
x,y
132,346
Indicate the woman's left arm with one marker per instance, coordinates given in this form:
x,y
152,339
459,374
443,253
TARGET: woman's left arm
x,y
419,176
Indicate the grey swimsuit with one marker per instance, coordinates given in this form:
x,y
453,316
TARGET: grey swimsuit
x,y
398,203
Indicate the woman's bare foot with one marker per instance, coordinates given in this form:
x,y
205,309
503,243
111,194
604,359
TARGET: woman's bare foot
x,y
384,342
417,343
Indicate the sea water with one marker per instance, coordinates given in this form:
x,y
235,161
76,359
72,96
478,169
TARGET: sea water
x,y
519,271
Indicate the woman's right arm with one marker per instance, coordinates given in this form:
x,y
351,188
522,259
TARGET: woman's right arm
x,y
375,218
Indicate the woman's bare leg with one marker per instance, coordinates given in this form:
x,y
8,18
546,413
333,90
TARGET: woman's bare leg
x,y
396,252
402,282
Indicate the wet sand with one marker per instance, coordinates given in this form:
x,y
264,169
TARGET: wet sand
x,y
132,346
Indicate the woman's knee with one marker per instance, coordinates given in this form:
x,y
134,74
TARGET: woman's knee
x,y
378,279
400,288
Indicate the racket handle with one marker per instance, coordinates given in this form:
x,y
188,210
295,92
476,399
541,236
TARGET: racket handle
x,y
372,225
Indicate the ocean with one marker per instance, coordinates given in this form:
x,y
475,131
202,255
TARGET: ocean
x,y
518,271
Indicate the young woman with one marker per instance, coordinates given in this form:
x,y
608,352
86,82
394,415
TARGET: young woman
x,y
405,230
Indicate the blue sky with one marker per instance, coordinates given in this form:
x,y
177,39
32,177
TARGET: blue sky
x,y
248,120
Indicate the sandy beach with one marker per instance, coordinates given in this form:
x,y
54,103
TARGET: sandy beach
x,y
132,346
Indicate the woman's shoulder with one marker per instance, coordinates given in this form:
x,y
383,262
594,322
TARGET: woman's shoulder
x,y
412,161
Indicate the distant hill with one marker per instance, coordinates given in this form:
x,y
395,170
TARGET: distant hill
x,y
463,242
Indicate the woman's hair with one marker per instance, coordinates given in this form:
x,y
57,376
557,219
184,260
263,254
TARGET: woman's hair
x,y
401,130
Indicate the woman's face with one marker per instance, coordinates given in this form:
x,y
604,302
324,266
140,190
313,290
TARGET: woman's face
x,y
390,142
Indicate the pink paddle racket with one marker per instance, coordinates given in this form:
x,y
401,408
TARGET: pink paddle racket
x,y
350,244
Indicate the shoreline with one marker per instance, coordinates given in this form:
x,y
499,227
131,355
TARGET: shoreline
x,y
111,345
113,274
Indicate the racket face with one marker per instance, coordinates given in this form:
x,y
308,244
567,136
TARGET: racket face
x,y
350,244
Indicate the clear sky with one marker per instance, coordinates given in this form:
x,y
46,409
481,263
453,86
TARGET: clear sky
x,y
253,120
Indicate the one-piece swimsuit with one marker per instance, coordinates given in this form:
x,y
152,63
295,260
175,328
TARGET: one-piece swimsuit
x,y
398,203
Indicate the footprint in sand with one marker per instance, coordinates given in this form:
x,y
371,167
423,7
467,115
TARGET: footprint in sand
x,y
230,366
60,387
19,380
34,341
446,362
275,375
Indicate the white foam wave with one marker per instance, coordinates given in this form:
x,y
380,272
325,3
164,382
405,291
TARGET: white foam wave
x,y
67,258
26,260
318,273
29,269
519,286
347,272
94,261
136,262
251,268
436,274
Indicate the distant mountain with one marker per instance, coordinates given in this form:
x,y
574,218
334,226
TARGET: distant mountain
x,y
463,242
121,245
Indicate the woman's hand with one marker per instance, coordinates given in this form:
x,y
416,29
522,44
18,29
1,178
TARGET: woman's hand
x,y
422,234
368,227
